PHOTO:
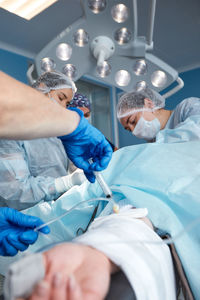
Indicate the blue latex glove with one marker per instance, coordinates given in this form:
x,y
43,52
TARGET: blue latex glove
x,y
87,142
16,231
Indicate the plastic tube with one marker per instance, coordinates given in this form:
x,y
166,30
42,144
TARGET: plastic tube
x,y
168,241
105,188
75,206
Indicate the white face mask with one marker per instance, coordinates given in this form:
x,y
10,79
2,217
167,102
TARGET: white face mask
x,y
146,129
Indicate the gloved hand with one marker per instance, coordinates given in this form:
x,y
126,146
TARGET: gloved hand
x,y
16,231
65,183
87,142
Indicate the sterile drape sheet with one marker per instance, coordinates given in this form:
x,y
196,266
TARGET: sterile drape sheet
x,y
163,177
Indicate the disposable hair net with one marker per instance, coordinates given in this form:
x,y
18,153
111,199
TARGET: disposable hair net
x,y
54,81
133,102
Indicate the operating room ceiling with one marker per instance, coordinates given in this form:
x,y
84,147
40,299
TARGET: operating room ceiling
x,y
176,32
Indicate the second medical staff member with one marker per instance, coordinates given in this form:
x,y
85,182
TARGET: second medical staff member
x,y
143,114
16,229
36,170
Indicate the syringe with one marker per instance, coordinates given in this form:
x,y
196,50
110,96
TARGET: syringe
x,y
105,188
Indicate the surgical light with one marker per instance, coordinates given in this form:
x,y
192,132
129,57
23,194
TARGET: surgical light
x,y
122,36
140,85
104,45
97,5
70,71
140,67
81,37
48,64
122,77
64,51
104,69
119,13
158,78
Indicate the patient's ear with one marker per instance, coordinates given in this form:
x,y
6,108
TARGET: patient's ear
x,y
148,103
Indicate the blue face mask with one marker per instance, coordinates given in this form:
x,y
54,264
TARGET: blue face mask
x,y
146,129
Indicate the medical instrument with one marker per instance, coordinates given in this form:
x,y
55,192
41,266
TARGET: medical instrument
x,y
105,188
71,209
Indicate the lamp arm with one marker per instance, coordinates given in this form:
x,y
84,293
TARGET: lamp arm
x,y
135,20
151,23
175,89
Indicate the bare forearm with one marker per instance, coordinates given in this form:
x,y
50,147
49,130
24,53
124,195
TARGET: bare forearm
x,y
25,113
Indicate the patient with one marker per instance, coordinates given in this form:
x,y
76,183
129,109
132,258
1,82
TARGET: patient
x,y
36,170
82,269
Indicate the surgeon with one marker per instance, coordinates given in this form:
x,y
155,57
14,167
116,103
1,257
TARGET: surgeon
x,y
143,114
36,170
45,120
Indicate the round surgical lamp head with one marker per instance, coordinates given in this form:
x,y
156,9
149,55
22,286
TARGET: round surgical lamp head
x,y
97,6
104,69
122,77
48,64
64,51
122,36
70,71
140,85
159,79
81,37
119,13
140,67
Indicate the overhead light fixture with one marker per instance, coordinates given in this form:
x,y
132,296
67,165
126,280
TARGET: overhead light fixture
x,y
122,78
103,69
122,36
70,71
97,5
98,46
159,79
140,67
140,85
120,13
64,51
48,64
81,37
26,9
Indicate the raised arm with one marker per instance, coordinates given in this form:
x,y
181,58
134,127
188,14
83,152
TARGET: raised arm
x,y
26,113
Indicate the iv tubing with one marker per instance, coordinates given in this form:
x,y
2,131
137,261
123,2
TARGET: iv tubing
x,y
72,208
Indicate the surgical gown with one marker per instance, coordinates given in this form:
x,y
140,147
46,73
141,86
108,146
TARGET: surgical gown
x,y
28,170
187,108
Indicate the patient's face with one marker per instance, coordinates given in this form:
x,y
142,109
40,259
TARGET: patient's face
x,y
62,96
